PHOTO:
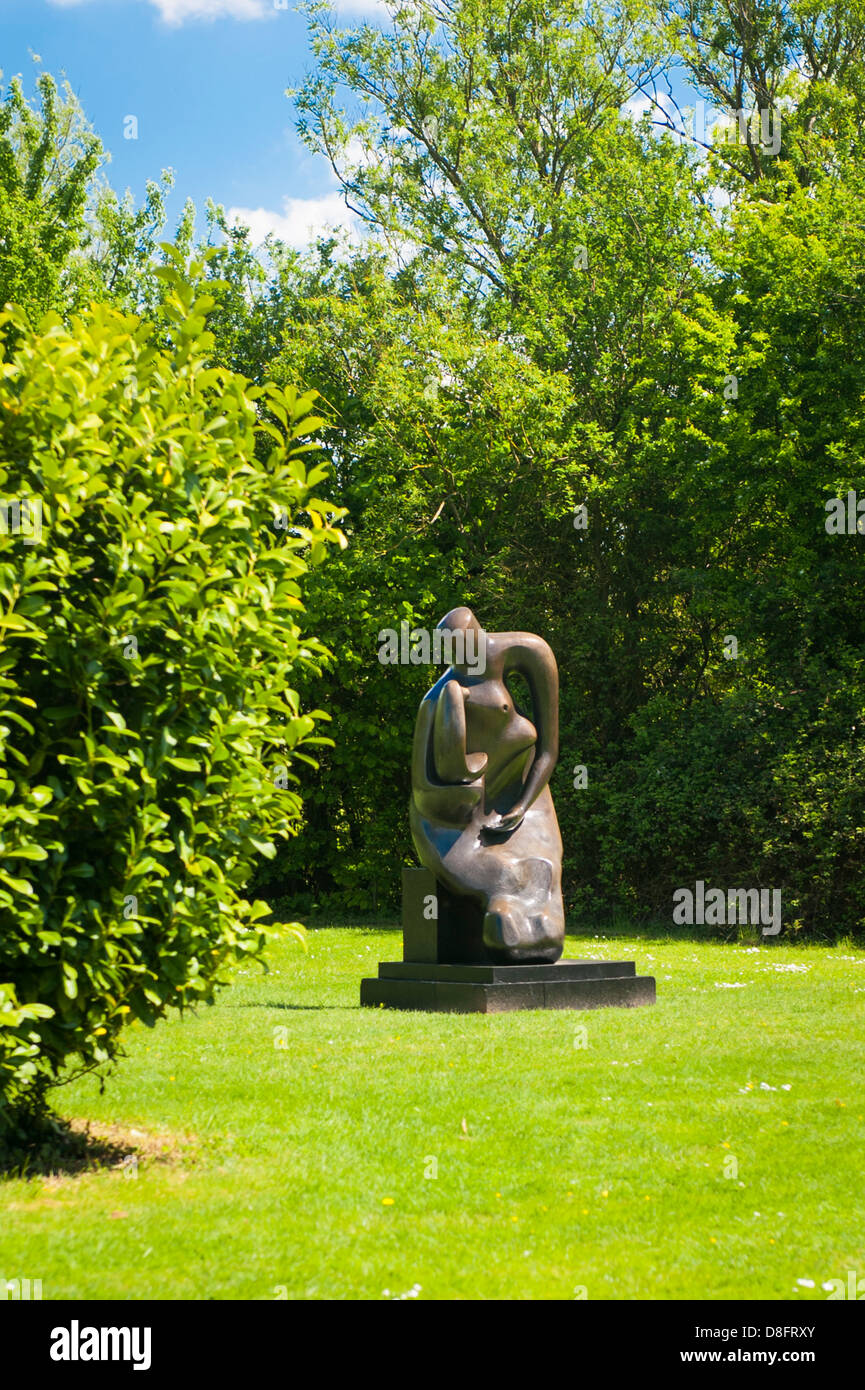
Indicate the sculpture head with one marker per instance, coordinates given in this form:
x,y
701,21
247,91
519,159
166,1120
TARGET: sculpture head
x,y
465,642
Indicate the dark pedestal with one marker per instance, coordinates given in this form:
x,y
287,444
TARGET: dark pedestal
x,y
437,925
445,968
495,989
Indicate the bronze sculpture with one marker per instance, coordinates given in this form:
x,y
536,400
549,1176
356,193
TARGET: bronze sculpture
x,y
483,920
482,814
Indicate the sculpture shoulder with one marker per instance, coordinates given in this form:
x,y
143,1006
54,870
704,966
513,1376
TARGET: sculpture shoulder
x,y
431,698
517,646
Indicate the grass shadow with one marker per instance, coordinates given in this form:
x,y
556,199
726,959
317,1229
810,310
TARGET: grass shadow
x,y
63,1148
55,1148
272,1004
363,926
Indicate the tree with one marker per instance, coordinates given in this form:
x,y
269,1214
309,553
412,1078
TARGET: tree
x,y
573,322
795,71
48,158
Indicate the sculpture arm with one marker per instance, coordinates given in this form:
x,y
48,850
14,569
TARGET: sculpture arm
x,y
451,759
443,775
533,658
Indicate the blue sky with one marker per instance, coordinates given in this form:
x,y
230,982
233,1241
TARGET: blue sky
x,y
206,80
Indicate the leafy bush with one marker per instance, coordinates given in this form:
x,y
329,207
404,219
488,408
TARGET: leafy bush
x,y
149,642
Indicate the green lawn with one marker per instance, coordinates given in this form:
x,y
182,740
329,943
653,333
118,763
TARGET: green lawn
x,y
285,1135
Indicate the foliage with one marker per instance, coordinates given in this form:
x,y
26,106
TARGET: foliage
x,y
575,321
150,641
561,305
48,158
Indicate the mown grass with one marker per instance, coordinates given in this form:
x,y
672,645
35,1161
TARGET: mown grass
x,y
278,1142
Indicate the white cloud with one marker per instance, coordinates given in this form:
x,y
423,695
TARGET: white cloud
x,y
301,219
360,7
660,108
637,107
177,12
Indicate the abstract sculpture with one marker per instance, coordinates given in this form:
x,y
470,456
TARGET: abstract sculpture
x,y
482,815
483,920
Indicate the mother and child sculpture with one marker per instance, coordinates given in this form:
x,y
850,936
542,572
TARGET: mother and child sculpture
x,y
482,815
484,921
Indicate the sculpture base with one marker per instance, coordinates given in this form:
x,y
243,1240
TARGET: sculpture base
x,y
493,989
